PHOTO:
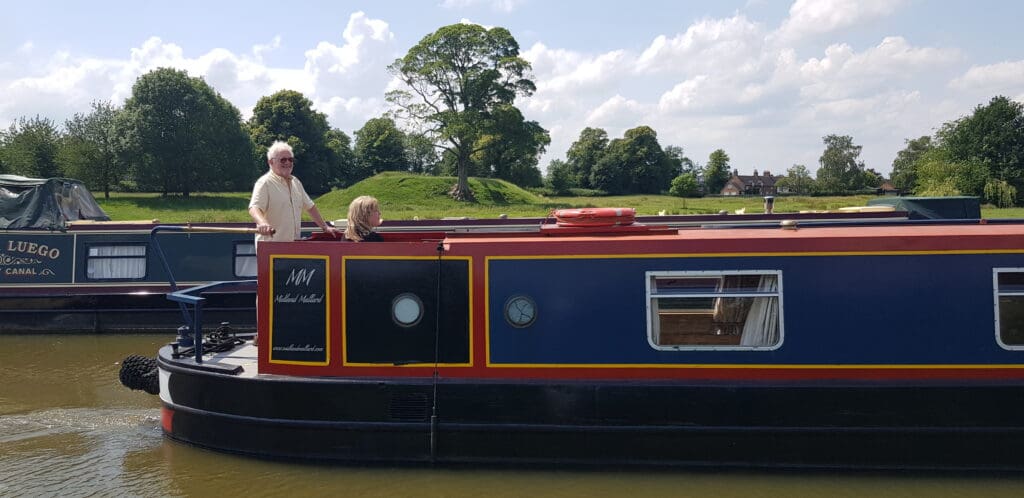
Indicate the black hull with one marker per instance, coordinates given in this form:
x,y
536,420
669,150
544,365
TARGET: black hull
x,y
590,422
117,313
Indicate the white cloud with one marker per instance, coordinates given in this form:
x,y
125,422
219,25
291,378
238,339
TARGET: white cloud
x,y
708,45
1003,76
843,73
816,17
616,112
496,5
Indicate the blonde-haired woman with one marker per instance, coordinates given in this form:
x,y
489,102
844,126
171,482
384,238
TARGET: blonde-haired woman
x,y
363,217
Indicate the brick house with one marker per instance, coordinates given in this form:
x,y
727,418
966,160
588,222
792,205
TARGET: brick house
x,y
755,184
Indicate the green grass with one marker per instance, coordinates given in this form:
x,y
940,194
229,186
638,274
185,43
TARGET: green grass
x,y
406,196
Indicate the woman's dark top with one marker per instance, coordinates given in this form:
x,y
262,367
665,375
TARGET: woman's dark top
x,y
372,237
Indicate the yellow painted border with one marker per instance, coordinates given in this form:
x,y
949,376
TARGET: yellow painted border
x,y
487,314
344,310
327,310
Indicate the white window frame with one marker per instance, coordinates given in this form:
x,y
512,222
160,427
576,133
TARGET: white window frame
x,y
237,257
651,294
995,306
106,261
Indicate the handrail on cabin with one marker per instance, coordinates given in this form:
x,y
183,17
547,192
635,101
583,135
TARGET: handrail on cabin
x,y
193,296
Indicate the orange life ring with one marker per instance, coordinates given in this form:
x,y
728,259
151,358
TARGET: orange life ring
x,y
595,217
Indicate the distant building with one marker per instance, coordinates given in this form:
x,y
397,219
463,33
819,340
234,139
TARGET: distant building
x,y
750,185
887,188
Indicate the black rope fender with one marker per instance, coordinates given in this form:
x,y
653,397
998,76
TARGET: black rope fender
x,y
140,373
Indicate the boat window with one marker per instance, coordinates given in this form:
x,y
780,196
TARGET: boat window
x,y
1009,297
714,310
110,262
407,309
245,259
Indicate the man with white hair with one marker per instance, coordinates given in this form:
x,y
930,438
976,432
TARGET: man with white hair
x,y
278,200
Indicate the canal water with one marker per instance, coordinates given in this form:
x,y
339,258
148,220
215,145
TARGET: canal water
x,y
68,428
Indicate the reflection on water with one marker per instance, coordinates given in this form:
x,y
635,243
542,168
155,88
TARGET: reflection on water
x,y
68,428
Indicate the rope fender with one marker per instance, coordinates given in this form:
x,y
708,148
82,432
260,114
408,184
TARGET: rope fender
x,y
140,372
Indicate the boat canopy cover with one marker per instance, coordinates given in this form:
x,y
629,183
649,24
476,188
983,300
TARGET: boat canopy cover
x,y
45,203
935,208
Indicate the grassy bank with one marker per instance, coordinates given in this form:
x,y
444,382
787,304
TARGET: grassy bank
x,y
406,196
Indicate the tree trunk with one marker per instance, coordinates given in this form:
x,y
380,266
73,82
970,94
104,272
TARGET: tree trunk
x,y
461,191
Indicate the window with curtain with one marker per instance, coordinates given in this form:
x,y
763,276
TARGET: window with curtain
x,y
1009,297
116,262
714,310
245,259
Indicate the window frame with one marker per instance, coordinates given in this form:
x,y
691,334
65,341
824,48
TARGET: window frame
x,y
651,294
995,306
235,256
89,258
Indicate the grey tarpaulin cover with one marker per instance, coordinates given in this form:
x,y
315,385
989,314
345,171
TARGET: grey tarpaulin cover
x,y
944,208
45,203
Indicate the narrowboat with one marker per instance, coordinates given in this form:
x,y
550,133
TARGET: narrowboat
x,y
65,267
881,344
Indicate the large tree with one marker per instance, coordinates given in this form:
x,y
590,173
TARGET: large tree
x,y
380,146
182,136
717,172
457,77
993,135
288,116
512,148
29,147
840,167
904,167
346,165
798,180
584,153
88,151
634,164
421,154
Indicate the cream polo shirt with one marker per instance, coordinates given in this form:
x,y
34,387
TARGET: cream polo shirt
x,y
281,205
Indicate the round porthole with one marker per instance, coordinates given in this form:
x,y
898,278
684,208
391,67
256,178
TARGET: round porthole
x,y
520,311
407,309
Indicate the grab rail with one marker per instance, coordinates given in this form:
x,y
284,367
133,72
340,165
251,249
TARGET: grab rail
x,y
185,298
193,296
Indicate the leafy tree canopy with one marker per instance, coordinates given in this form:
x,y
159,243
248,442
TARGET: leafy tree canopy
x,y
180,134
380,146
29,148
512,149
840,167
289,116
993,135
457,78
904,167
797,180
88,151
584,153
717,172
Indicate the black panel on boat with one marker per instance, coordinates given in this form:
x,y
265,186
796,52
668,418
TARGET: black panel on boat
x,y
374,288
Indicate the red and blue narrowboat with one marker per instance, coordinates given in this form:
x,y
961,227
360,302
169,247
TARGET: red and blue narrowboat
x,y
887,344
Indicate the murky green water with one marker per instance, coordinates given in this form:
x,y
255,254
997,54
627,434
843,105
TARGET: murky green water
x,y
68,428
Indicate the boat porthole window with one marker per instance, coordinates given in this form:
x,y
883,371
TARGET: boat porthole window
x,y
407,309
520,311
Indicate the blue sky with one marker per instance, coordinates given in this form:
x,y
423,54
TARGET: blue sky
x,y
764,80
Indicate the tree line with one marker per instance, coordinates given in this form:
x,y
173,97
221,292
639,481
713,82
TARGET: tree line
x,y
457,114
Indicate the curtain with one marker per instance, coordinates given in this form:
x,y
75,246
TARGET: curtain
x,y
116,262
761,327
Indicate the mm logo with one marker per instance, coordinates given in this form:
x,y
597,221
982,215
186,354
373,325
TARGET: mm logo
x,y
301,276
